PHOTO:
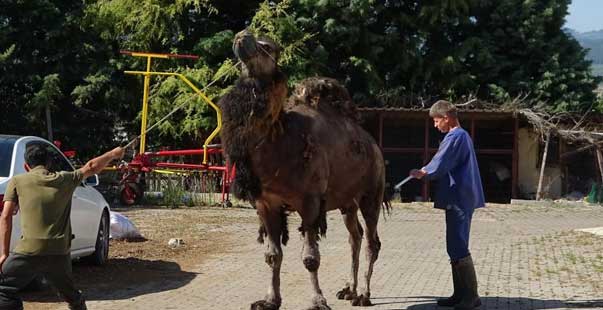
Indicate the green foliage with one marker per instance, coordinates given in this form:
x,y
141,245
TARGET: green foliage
x,y
144,25
173,194
48,95
386,51
195,114
7,53
279,23
214,48
535,56
46,51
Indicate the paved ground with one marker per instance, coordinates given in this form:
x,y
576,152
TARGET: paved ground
x,y
526,258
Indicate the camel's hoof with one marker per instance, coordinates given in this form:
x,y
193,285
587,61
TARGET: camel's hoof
x,y
319,303
362,301
263,305
346,294
341,294
320,307
311,263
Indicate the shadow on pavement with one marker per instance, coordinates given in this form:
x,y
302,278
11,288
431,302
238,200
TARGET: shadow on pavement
x,y
507,303
120,278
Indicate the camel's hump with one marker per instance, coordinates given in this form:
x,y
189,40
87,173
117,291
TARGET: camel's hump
x,y
325,94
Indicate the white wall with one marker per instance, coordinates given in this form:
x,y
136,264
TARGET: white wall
x,y
528,145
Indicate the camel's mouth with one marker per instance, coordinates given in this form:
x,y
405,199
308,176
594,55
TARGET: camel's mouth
x,y
244,45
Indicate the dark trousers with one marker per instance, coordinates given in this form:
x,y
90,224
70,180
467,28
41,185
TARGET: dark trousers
x,y
19,270
458,227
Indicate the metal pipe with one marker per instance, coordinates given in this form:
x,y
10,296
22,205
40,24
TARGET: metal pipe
x,y
182,152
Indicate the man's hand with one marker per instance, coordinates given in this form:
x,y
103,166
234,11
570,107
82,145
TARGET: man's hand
x,y
2,260
6,227
418,174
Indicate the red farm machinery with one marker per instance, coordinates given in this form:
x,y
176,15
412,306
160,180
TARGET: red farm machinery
x,y
210,163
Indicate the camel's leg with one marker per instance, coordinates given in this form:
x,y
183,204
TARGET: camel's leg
x,y
312,212
350,218
271,219
370,209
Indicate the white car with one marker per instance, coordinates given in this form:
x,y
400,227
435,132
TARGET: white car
x,y
89,209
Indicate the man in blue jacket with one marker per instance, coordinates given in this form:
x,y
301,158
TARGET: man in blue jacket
x,y
459,193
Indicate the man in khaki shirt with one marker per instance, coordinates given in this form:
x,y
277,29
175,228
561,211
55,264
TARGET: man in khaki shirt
x,y
44,200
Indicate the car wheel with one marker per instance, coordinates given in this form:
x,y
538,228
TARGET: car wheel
x,y
101,249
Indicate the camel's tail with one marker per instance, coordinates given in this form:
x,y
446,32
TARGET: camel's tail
x,y
388,196
387,207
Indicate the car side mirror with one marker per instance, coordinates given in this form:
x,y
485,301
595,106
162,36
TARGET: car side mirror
x,y
92,180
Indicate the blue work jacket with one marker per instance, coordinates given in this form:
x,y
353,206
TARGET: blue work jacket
x,y
455,167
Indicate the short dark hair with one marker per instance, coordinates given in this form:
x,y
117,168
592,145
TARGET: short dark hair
x,y
37,155
443,108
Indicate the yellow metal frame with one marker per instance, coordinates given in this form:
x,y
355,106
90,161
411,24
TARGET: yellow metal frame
x,y
145,98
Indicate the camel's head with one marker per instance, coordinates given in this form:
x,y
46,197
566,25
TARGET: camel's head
x,y
259,55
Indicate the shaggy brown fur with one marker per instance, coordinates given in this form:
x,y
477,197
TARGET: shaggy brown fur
x,y
326,95
256,114
285,235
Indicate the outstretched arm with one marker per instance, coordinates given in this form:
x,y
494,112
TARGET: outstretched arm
x,y
96,165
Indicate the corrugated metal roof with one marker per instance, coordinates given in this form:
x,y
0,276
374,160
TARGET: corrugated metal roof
x,y
420,109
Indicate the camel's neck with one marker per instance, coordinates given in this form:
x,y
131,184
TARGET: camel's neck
x,y
256,105
251,113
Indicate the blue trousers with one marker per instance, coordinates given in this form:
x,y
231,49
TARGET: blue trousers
x,y
458,228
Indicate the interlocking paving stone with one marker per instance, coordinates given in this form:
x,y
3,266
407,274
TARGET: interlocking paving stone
x,y
527,257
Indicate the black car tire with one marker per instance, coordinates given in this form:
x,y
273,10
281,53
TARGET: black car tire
x,y
101,251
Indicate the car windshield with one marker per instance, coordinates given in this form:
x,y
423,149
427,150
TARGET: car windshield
x,y
7,144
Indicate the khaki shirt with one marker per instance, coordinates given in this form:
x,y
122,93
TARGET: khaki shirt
x,y
45,204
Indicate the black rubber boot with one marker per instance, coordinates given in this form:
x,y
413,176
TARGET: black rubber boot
x,y
468,284
456,294
78,305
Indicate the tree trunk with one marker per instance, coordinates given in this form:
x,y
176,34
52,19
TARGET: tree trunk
x,y
545,153
49,123
600,160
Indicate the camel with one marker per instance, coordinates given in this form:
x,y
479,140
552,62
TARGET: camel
x,y
304,154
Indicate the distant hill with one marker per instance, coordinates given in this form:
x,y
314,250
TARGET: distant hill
x,y
591,36
592,40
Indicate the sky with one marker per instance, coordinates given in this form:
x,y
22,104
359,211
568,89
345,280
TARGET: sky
x,y
585,15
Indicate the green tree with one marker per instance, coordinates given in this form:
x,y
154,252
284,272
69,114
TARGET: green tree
x,y
523,49
198,27
63,57
45,100
397,52
46,54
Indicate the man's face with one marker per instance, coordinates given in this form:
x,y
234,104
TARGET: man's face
x,y
442,123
